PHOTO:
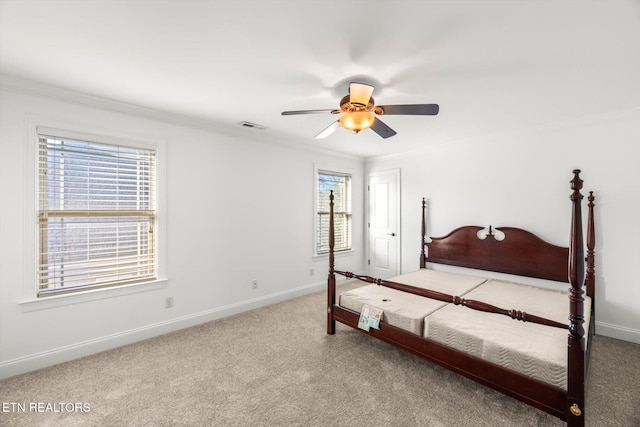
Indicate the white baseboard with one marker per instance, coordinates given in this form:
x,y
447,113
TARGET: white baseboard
x,y
618,332
64,354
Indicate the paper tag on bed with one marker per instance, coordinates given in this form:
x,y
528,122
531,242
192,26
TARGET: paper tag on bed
x,y
369,317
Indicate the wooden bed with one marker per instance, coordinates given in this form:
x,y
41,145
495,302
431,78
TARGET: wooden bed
x,y
519,253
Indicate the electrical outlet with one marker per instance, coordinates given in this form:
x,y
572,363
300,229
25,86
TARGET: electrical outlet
x,y
254,284
168,302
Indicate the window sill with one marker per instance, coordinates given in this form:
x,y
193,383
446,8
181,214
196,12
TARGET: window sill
x,y
339,254
54,301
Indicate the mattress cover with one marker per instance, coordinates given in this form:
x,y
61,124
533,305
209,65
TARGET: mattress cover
x,y
534,350
404,310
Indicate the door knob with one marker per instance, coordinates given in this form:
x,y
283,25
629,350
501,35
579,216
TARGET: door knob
x,y
391,234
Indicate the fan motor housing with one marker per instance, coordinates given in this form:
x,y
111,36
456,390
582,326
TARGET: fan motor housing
x,y
347,106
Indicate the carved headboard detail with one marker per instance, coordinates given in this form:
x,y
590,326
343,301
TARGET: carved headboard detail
x,y
520,252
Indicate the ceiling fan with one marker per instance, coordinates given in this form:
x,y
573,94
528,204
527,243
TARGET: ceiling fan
x,y
357,110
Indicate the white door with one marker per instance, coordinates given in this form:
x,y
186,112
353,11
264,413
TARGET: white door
x,y
384,224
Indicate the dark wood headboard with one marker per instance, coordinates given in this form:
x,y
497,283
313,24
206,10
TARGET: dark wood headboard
x,y
520,252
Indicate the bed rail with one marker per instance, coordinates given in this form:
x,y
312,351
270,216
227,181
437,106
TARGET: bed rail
x,y
456,300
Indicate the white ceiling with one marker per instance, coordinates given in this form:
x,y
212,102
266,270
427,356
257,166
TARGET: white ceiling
x,y
492,66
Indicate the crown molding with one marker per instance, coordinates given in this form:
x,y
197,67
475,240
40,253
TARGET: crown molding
x,y
56,93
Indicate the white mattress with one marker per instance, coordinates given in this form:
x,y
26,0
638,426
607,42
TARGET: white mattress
x,y
404,310
537,351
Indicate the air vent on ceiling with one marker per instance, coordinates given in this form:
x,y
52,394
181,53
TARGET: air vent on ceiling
x,y
252,125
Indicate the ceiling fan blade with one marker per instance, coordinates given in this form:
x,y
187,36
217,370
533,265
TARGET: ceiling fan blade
x,y
290,113
382,129
360,93
410,109
328,130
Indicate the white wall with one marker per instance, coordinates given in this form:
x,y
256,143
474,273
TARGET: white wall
x,y
238,209
522,179
253,219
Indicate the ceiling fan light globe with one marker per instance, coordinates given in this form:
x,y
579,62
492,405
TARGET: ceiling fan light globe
x,y
357,121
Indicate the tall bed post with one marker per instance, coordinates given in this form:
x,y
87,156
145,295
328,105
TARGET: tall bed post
x,y
331,280
423,241
576,342
591,244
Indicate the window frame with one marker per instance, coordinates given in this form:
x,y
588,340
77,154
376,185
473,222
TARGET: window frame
x,y
336,172
38,126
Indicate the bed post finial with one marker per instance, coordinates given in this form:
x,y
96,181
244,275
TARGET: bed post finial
x,y
331,280
423,241
576,343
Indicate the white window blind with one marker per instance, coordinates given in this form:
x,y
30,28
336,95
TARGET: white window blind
x,y
96,215
341,186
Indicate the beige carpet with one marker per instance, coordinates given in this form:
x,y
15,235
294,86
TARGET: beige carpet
x,y
276,366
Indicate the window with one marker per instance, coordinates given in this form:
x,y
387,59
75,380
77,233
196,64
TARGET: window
x,y
96,214
340,183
